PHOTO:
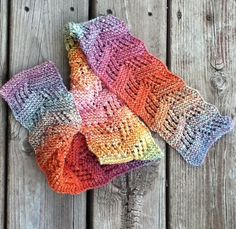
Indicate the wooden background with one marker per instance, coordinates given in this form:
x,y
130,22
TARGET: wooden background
x,y
197,40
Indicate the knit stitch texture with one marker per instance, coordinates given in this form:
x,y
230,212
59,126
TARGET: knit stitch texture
x,y
42,104
163,100
111,130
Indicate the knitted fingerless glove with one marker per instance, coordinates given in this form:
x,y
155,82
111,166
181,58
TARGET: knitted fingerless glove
x,y
163,100
41,103
111,130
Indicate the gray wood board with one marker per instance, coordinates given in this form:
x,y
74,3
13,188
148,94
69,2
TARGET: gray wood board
x,y
36,35
203,41
3,117
136,200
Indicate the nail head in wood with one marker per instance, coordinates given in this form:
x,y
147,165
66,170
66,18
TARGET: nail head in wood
x,y
26,8
109,11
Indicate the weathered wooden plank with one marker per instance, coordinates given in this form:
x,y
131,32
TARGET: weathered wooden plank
x,y
203,51
3,117
37,34
138,199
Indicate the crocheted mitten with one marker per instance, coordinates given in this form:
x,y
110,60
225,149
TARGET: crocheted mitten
x,y
113,133
163,100
41,103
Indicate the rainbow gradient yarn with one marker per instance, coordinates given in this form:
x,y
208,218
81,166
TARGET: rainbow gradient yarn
x,y
86,137
167,105
42,104
111,130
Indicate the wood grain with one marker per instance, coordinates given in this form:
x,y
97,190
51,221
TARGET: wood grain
x,y
136,200
203,41
36,35
3,116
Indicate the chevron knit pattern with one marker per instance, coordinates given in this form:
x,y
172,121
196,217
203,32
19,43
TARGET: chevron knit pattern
x,y
111,130
163,100
41,103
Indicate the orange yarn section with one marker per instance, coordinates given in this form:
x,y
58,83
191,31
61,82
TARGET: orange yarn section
x,y
70,167
54,159
113,133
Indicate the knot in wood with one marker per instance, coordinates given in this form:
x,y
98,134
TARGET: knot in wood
x,y
179,15
219,82
27,148
217,64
